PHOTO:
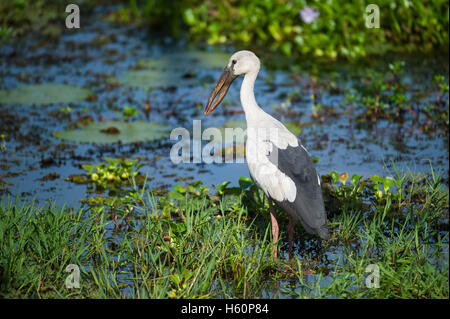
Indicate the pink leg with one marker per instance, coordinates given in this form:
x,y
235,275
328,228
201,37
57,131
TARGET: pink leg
x,y
291,234
275,228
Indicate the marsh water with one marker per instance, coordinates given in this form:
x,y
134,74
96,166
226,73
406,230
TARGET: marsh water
x,y
100,55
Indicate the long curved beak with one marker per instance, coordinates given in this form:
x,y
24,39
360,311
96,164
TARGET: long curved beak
x,y
221,89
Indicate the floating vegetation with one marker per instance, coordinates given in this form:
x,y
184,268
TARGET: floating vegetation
x,y
112,175
386,95
155,79
44,94
115,131
187,61
173,70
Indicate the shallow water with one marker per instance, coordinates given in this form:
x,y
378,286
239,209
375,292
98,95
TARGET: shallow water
x,y
99,54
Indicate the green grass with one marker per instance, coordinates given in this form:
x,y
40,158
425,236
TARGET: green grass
x,y
196,243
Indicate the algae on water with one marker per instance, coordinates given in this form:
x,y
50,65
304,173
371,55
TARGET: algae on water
x,y
126,132
175,69
44,94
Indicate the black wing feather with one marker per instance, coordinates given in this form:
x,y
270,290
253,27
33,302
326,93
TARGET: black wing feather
x,y
308,205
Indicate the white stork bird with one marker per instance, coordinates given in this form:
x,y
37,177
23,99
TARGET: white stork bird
x,y
277,161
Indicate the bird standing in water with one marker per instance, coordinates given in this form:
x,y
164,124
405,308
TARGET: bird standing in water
x,y
278,163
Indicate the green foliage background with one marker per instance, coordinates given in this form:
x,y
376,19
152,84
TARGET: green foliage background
x,y
339,31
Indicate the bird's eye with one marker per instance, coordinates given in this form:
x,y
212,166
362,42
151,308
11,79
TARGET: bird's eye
x,y
233,62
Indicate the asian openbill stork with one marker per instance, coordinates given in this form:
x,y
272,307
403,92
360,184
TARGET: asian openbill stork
x,y
278,162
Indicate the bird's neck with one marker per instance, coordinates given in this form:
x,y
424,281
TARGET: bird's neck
x,y
248,101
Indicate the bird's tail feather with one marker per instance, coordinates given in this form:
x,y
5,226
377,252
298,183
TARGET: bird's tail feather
x,y
323,232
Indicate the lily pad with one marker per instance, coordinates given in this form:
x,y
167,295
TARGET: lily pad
x,y
156,78
177,69
44,94
128,132
189,60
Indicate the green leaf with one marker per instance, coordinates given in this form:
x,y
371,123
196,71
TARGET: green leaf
x,y
375,179
132,132
221,187
245,182
233,191
387,183
180,189
197,183
286,47
355,179
189,16
175,278
361,185
175,196
334,176
187,274
87,167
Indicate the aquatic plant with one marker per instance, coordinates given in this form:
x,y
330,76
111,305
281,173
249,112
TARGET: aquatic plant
x,y
5,34
44,94
173,70
128,112
115,131
385,95
112,174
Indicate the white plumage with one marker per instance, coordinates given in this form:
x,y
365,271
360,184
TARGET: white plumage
x,y
278,163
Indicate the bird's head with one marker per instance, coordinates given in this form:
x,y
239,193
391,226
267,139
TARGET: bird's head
x,y
241,62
